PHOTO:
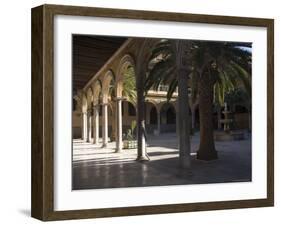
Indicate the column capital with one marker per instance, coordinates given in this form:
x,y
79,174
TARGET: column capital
x,y
119,98
89,111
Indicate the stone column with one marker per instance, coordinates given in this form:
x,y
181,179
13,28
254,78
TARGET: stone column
x,y
113,122
141,135
93,124
119,142
96,124
84,126
183,120
88,125
104,124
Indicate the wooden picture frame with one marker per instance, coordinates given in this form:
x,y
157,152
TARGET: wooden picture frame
x,y
43,120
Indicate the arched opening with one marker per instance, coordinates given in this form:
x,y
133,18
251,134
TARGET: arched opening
x,y
97,94
129,96
153,116
108,96
171,116
89,115
111,130
126,80
125,92
131,109
168,118
128,117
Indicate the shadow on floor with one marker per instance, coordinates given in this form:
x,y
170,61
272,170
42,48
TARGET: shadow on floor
x,y
113,172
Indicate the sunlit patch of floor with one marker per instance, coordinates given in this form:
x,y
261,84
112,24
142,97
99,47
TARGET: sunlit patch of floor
x,y
97,167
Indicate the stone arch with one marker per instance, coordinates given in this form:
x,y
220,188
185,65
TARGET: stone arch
x,y
107,82
149,106
175,104
131,108
84,103
89,97
77,103
97,88
153,116
126,61
141,66
168,113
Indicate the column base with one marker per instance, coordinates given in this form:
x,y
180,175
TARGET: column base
x,y
104,146
142,158
118,150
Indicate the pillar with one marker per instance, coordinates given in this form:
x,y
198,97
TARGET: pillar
x,y
90,129
119,142
141,135
183,120
84,126
104,124
93,124
96,124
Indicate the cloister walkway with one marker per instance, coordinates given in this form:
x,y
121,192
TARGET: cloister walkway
x,y
96,167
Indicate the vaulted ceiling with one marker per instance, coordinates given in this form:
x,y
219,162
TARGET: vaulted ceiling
x,y
90,53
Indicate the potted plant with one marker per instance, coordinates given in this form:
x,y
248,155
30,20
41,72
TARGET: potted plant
x,y
129,141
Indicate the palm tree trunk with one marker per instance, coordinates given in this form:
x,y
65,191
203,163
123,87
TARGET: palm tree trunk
x,y
183,121
207,149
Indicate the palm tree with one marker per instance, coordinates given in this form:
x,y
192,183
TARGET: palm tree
x,y
239,96
129,93
222,66
214,68
129,85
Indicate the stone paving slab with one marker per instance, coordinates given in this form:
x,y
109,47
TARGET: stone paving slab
x,y
97,167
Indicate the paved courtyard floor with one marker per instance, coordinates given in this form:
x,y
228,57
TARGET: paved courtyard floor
x,y
96,167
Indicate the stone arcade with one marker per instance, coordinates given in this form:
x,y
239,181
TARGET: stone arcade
x,y
102,113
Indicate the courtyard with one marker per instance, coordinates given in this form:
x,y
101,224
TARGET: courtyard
x,y
98,167
185,122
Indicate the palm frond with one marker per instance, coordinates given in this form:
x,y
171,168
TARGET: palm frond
x,y
129,85
172,88
243,76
